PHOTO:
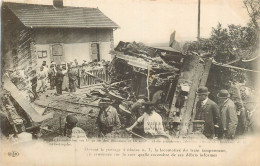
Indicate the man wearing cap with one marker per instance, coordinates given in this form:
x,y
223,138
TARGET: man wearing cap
x,y
228,115
208,111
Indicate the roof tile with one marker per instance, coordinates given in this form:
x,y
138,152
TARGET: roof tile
x,y
32,15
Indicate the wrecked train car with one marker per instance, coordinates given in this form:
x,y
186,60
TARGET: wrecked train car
x,y
166,77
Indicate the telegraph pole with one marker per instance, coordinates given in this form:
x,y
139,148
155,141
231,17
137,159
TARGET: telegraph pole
x,y
198,37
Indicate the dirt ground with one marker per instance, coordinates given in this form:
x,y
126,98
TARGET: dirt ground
x,y
70,103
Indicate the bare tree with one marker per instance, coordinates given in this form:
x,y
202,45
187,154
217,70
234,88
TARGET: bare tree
x,y
253,9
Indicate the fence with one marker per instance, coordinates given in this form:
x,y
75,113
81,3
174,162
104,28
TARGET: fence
x,y
92,76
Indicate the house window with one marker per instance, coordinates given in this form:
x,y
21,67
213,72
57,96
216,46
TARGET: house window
x,y
42,54
57,50
95,56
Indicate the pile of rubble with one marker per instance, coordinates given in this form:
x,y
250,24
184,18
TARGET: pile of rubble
x,y
159,66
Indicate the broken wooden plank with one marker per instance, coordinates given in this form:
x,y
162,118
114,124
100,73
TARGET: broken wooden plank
x,y
78,103
22,101
54,108
202,82
88,86
191,75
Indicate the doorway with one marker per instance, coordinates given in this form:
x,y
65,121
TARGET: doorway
x,y
95,52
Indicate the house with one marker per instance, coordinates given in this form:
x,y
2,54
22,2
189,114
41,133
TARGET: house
x,y
34,33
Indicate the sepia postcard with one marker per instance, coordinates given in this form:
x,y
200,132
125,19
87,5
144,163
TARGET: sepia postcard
x,y
130,82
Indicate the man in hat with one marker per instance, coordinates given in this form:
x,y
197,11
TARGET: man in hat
x,y
208,111
228,115
153,126
84,64
59,80
108,120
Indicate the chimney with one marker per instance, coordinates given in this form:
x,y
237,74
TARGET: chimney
x,y
58,3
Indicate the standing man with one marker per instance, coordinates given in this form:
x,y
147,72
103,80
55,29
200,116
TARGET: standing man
x,y
228,115
42,76
207,110
72,74
46,70
52,74
65,69
59,80
34,84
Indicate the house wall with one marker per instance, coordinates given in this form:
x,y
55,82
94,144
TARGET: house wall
x,y
79,51
21,44
16,41
42,47
76,42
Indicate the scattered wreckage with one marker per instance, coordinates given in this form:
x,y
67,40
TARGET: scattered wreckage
x,y
167,77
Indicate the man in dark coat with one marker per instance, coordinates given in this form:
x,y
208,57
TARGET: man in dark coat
x,y
52,74
59,80
228,115
34,84
208,111
72,74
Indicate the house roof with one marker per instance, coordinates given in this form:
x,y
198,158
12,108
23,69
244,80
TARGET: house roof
x,y
47,16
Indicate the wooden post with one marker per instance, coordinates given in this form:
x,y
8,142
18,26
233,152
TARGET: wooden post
x,y
198,20
60,126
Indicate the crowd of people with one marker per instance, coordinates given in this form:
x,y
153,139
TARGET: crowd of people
x,y
63,77
222,120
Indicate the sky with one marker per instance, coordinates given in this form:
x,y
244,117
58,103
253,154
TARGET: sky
x,y
152,21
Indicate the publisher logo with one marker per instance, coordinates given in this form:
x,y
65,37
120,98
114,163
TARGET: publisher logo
x,y
13,154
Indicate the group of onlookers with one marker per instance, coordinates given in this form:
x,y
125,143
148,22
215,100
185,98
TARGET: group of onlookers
x,y
63,76
221,120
